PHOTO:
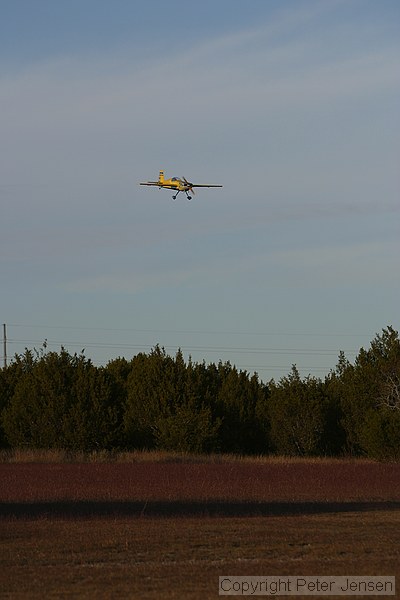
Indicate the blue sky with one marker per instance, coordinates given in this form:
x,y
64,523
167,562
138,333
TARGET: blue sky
x,y
293,106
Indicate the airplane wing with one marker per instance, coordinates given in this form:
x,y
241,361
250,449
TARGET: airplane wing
x,y
160,185
204,185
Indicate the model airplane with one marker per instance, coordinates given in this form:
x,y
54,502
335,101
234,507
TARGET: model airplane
x,y
177,184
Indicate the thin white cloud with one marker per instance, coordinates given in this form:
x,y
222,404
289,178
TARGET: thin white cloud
x,y
135,280
223,79
368,264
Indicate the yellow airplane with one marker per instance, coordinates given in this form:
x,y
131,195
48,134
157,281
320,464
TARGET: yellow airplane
x,y
178,184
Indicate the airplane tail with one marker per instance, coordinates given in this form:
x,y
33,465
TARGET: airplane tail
x,y
161,177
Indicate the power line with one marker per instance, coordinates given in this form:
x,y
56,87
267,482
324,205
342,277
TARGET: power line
x,y
192,331
239,352
229,349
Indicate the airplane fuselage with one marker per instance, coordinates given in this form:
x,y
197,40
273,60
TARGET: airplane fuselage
x,y
174,184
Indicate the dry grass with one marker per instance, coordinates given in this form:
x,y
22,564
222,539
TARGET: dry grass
x,y
104,456
188,483
173,559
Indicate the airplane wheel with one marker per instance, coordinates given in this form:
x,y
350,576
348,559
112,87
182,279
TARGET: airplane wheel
x,y
189,197
173,197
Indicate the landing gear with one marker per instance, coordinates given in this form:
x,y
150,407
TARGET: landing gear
x,y
174,197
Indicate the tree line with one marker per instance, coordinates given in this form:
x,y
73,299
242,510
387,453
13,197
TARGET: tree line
x,y
55,400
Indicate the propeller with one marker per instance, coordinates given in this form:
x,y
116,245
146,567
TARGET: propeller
x,y
190,185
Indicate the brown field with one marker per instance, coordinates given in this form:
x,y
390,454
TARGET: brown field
x,y
151,529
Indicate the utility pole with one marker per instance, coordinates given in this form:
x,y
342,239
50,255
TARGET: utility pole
x,y
5,344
